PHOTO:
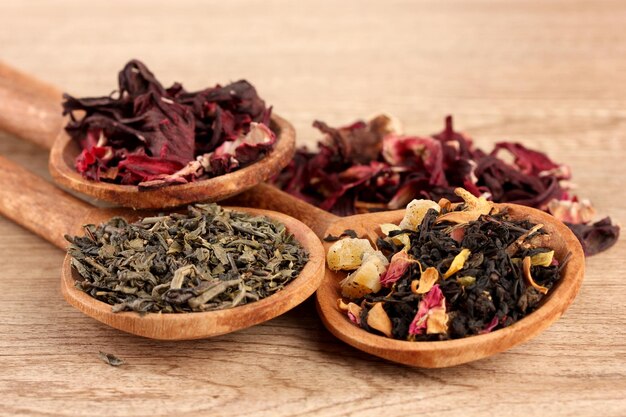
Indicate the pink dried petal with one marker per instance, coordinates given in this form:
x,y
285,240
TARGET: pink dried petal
x,y
413,151
432,299
493,323
528,161
400,262
354,319
572,211
596,237
147,167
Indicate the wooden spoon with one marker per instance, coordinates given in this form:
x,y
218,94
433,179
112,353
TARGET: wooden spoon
x,y
49,212
31,110
429,354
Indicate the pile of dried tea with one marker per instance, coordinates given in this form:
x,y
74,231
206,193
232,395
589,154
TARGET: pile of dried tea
x,y
206,259
370,166
445,272
153,136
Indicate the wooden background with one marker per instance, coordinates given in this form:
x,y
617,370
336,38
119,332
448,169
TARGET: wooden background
x,y
550,74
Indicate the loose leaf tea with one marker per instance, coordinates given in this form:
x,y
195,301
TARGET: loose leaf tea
x,y
151,136
372,166
110,359
206,259
446,279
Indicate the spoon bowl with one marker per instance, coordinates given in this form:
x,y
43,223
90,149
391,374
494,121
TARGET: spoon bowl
x,y
454,352
65,150
198,325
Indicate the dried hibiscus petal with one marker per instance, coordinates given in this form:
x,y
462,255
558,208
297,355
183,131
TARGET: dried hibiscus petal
x,y
596,237
151,136
371,166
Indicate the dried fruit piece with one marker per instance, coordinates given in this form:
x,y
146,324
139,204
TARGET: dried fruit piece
x,y
415,212
378,319
366,279
347,254
401,239
457,263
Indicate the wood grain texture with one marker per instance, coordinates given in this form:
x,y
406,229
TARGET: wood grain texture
x,y
29,108
550,74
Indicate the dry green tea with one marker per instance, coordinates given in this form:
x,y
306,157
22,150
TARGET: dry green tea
x,y
206,259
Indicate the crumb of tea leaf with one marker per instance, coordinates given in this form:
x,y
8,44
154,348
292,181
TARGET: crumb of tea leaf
x,y
110,359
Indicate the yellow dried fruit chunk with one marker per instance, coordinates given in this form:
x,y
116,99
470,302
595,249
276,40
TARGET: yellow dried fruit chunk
x,y
542,259
366,279
457,263
347,254
415,212
378,319
402,239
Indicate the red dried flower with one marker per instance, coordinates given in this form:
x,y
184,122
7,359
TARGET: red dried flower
x,y
148,135
370,166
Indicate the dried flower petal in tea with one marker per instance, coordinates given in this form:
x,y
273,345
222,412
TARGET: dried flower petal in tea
x,y
440,287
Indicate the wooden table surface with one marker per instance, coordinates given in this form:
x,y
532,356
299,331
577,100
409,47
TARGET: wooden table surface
x,y
550,74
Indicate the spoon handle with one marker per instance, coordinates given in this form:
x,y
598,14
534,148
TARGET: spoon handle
x,y
37,205
29,108
268,197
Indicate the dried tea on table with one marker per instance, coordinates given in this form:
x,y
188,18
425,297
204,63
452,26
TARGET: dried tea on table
x,y
152,136
448,285
373,166
110,359
205,259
